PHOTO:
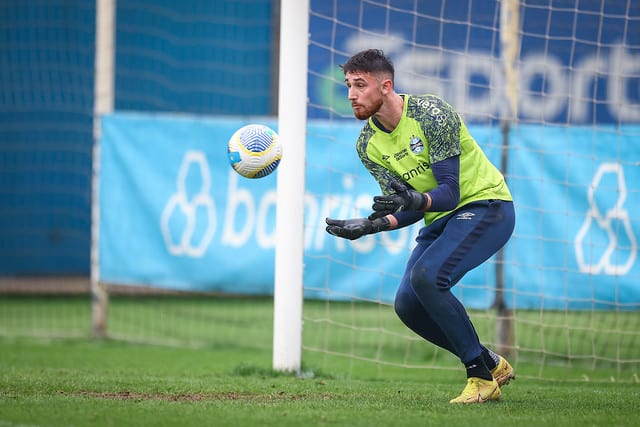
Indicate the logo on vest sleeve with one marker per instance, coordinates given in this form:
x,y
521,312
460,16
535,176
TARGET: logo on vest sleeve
x,y
416,145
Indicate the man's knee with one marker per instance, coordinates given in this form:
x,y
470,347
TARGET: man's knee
x,y
425,282
403,304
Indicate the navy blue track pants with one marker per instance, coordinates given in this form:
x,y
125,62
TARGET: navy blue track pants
x,y
446,250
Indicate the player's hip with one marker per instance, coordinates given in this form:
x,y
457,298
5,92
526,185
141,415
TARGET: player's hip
x,y
466,238
481,216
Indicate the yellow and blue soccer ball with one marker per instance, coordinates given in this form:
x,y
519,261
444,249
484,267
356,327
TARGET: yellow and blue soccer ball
x,y
254,151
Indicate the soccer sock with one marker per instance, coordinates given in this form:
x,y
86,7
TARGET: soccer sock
x,y
491,359
477,368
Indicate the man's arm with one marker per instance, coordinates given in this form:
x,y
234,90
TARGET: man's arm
x,y
446,195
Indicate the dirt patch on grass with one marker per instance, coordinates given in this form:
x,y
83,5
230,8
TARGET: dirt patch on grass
x,y
196,397
169,397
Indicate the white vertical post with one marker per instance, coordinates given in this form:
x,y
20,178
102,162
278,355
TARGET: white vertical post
x,y
292,124
509,53
102,104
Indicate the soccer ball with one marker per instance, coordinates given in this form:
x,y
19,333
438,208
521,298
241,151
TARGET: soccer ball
x,y
254,151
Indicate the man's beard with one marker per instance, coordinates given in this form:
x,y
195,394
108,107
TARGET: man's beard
x,y
364,114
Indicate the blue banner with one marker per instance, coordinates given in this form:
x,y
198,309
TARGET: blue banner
x,y
173,214
577,191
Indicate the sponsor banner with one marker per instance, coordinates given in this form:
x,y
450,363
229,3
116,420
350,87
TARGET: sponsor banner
x,y
578,196
173,214
577,65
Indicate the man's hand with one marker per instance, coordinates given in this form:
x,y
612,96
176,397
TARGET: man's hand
x,y
356,227
404,199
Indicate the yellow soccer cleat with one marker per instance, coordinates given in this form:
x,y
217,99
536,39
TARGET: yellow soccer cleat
x,y
478,391
503,373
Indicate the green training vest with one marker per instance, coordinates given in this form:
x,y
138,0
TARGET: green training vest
x,y
429,131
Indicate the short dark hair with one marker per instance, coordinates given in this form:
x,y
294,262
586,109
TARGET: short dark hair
x,y
369,61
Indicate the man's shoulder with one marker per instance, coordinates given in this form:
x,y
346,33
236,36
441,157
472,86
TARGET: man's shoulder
x,y
366,133
431,110
428,103
417,98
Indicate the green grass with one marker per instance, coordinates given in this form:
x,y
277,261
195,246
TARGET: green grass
x,y
81,382
214,368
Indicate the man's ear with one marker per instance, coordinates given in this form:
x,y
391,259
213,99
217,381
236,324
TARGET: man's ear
x,y
387,86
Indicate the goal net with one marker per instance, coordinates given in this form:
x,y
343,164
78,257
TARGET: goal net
x,y
549,89
550,92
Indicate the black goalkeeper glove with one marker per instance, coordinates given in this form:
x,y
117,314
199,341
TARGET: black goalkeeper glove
x,y
357,227
405,198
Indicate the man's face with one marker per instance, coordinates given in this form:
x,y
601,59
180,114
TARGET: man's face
x,y
365,94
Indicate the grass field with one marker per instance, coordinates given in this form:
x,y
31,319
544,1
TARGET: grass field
x,y
51,378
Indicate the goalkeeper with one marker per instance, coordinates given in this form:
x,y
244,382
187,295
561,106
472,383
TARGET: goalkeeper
x,y
430,168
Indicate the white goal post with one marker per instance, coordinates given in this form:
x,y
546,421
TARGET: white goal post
x,y
292,122
103,104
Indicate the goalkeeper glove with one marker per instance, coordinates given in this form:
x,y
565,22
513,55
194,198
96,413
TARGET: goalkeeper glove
x,y
356,227
405,198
